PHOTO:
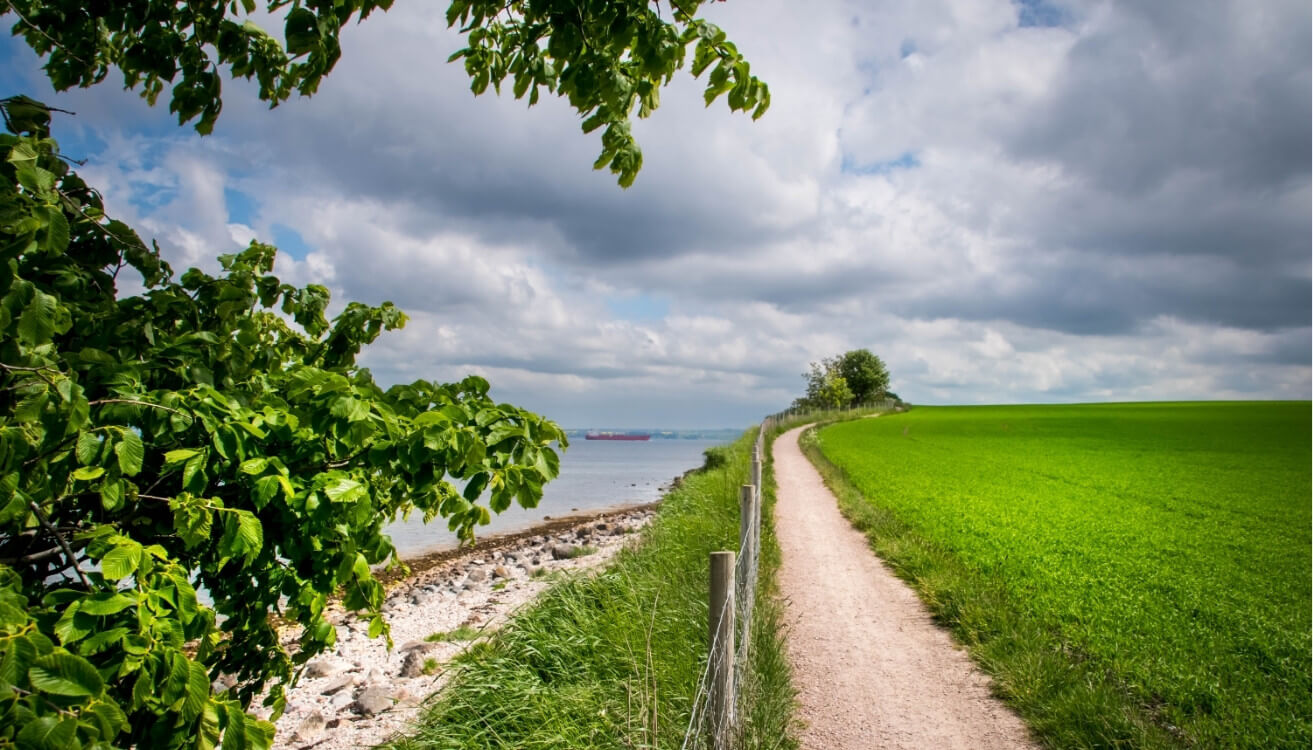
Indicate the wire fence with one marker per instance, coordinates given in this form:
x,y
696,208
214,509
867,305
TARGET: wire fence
x,y
720,699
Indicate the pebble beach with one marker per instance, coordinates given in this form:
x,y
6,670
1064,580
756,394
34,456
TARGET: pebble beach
x,y
361,693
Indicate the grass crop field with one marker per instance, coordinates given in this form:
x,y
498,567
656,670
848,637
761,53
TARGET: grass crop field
x,y
1133,575
612,659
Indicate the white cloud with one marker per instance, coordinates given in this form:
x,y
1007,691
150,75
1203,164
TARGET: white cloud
x,y
1004,213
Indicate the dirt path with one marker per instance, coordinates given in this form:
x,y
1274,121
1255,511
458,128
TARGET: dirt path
x,y
871,667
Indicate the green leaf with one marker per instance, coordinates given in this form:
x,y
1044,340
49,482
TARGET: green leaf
x,y
208,729
106,603
62,673
375,626
110,717
193,523
254,465
48,733
100,641
174,689
37,323
111,495
120,562
198,690
70,628
88,473
131,453
193,470
345,490
16,657
302,34
56,230
234,734
179,455
353,409
249,534
88,447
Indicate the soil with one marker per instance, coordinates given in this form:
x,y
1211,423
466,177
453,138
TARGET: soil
x,y
872,668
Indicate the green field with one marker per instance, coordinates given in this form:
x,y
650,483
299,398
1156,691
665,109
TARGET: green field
x,y
1134,575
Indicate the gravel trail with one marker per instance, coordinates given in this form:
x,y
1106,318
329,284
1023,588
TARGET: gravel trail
x,y
872,668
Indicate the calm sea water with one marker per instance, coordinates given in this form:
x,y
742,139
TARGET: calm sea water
x,y
595,475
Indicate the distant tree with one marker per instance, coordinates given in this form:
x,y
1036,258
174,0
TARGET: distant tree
x,y
834,392
855,377
866,375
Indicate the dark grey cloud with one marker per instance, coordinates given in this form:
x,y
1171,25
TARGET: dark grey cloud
x,y
1085,293
1158,89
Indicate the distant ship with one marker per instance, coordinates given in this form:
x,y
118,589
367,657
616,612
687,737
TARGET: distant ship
x,y
616,436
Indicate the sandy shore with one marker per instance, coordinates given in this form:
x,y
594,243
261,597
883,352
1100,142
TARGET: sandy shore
x,y
361,694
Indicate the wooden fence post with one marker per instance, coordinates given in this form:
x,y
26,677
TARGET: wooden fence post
x,y
746,524
756,467
720,698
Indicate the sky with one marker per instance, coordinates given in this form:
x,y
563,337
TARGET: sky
x,y
1007,201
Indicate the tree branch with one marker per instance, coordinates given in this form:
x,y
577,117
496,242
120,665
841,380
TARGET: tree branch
x,y
34,557
40,372
52,40
135,402
68,551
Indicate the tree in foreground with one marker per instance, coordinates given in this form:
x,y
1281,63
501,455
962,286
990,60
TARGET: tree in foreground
x,y
216,431
608,58
212,431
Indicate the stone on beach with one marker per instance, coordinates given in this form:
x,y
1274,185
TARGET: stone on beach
x,y
312,728
373,700
338,684
323,668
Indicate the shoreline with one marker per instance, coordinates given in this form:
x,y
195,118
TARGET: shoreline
x,y
360,693
426,561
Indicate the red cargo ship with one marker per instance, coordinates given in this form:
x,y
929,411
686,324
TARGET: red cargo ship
x,y
615,436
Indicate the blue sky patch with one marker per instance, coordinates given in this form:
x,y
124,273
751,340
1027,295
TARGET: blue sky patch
x,y
908,160
289,241
1039,13
241,209
638,307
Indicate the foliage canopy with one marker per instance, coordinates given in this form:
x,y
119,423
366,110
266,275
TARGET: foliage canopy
x,y
608,58
865,374
216,432
854,377
211,431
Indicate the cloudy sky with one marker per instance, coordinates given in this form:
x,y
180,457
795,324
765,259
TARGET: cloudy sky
x,y
1007,201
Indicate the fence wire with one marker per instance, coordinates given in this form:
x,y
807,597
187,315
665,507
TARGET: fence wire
x,y
700,732
746,565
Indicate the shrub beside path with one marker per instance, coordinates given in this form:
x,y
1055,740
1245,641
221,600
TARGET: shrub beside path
x,y
872,668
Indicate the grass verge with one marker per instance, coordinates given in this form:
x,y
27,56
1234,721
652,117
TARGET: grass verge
x,y
613,659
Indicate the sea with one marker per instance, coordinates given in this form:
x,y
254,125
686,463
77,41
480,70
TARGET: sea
x,y
596,475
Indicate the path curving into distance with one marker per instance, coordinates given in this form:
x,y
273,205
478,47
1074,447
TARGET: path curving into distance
x,y
871,667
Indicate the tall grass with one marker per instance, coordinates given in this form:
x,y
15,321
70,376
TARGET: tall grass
x,y
613,659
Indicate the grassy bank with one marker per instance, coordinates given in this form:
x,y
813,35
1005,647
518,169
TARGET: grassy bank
x,y
1132,575
613,659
